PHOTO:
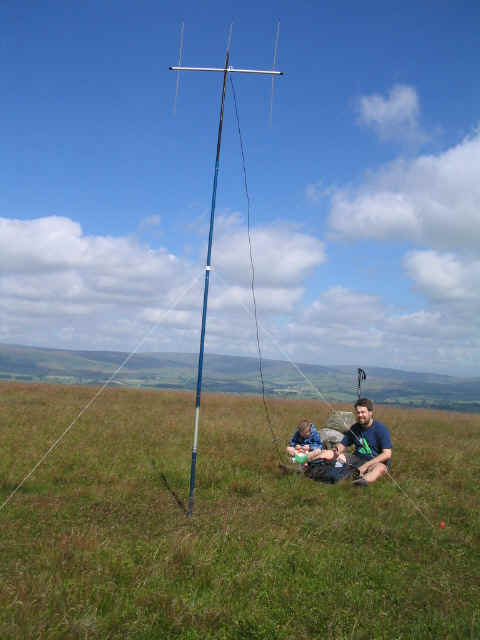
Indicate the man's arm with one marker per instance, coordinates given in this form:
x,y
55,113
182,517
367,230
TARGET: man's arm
x,y
321,454
339,448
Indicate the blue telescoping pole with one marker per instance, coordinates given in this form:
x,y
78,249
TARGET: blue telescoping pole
x,y
205,296
225,70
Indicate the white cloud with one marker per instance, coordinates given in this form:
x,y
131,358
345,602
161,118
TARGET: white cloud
x,y
355,328
339,305
51,244
49,259
432,203
273,300
181,319
433,200
78,291
340,324
395,116
445,277
60,287
282,256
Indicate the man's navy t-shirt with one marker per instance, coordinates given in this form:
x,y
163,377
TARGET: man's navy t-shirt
x,y
369,441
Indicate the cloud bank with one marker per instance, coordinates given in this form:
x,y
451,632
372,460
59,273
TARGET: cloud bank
x,y
432,200
430,203
62,288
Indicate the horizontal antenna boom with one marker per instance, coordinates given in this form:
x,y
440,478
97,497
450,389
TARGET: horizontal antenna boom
x,y
229,69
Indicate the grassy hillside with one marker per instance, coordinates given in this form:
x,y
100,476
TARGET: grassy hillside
x,y
233,374
96,543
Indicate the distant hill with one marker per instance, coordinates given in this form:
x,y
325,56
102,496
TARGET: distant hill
x,y
233,374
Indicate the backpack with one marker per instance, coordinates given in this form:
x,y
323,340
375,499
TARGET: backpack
x,y
326,471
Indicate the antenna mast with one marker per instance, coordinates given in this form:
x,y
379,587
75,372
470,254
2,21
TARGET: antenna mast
x,y
226,69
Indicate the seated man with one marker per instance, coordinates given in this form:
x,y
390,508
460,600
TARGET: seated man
x,y
373,447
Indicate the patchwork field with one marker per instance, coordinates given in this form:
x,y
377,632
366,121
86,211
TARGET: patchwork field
x,y
96,542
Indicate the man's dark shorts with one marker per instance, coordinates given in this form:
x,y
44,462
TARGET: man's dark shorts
x,y
357,461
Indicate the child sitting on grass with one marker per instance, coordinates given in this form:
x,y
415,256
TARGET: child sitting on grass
x,y
306,439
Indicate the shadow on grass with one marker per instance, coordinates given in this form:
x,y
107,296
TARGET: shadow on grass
x,y
172,493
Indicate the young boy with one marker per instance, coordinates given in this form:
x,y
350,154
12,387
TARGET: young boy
x,y
307,439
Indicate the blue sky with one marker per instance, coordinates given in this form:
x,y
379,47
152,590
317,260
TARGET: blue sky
x,y
364,187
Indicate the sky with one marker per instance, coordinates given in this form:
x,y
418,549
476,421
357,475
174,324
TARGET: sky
x,y
364,183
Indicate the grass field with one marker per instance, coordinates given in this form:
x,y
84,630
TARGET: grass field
x,y
96,543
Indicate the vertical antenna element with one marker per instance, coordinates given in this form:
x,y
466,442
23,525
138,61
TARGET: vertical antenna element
x,y
180,53
229,42
275,50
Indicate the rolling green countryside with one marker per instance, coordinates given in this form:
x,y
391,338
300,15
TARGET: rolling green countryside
x,y
230,374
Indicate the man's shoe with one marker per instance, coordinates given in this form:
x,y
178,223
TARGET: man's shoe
x,y
356,474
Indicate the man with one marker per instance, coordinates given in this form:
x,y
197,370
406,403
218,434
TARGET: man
x,y
373,447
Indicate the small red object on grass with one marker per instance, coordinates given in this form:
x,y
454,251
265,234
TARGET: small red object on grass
x,y
442,525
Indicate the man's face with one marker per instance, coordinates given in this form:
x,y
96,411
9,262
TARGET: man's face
x,y
364,416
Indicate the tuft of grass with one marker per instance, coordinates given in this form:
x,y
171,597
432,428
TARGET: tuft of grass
x,y
97,544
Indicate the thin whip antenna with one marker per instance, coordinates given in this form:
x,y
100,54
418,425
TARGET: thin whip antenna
x,y
229,42
180,53
275,50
